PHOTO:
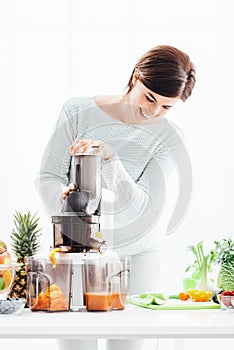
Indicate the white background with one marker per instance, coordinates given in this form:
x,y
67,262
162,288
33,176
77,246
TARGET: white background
x,y
51,50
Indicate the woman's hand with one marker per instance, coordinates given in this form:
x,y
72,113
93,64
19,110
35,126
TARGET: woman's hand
x,y
70,188
97,147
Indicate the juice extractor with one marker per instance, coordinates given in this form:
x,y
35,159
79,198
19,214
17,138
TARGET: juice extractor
x,y
84,228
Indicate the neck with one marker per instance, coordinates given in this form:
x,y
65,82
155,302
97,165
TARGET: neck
x,y
117,106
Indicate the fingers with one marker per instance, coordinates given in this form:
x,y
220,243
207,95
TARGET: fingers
x,y
96,146
84,146
70,188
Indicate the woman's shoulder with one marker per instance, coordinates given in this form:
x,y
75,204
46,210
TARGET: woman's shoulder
x,y
78,103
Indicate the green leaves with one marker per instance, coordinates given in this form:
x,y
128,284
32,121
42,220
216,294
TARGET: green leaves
x,y
224,251
25,234
226,275
222,254
198,251
225,257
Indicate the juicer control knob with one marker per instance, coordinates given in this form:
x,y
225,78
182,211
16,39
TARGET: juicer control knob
x,y
102,247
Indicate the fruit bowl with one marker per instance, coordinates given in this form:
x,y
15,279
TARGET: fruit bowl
x,y
199,295
226,301
7,276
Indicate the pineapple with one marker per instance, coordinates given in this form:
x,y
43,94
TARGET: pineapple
x,y
25,242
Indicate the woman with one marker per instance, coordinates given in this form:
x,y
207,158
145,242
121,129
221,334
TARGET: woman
x,y
139,148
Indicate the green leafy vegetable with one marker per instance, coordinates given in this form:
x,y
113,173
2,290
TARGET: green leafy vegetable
x,y
224,251
197,266
225,257
226,275
204,282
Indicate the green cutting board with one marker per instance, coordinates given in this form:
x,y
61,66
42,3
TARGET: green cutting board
x,y
175,304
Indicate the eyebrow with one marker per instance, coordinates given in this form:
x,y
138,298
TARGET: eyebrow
x,y
167,106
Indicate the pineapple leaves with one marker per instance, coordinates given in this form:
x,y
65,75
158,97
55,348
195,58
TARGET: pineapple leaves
x,y
25,234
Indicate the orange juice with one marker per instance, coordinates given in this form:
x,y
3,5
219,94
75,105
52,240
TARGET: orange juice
x,y
98,301
104,301
117,301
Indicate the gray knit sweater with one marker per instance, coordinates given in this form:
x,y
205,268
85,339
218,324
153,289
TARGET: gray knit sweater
x,y
145,155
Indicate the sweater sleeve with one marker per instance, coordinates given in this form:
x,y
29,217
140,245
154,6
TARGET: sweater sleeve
x,y
132,198
139,204
53,175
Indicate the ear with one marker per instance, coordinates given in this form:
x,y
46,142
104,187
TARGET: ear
x,y
135,76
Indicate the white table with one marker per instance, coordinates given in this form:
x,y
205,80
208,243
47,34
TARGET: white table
x,y
133,322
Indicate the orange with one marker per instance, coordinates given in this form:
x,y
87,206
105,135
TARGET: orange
x,y
7,276
52,257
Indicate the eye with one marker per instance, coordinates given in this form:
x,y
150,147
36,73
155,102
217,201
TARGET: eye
x,y
167,107
149,99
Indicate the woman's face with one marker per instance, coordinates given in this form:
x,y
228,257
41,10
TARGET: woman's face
x,y
146,104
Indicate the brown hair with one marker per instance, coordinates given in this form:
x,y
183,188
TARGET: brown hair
x,y
166,71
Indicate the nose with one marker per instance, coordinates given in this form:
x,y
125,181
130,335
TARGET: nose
x,y
155,110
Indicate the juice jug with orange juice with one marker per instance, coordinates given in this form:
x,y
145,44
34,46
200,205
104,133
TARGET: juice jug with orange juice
x,y
106,282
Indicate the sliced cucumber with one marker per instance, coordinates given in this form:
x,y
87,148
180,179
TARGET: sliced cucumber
x,y
146,299
158,301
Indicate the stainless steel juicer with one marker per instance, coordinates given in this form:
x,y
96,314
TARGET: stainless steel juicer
x,y
76,232
77,229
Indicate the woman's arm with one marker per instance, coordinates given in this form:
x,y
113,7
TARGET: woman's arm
x,y
53,176
133,199
142,205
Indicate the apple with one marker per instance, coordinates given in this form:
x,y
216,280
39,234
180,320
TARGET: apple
x,y
5,257
3,244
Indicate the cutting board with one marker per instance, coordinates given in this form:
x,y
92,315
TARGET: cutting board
x,y
174,304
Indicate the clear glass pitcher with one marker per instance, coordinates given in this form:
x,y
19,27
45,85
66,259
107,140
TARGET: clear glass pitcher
x,y
106,283
48,287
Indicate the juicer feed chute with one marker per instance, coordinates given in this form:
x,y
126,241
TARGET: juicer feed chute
x,y
85,199
77,229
